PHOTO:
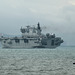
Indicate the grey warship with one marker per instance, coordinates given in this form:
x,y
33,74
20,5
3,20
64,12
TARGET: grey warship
x,y
32,38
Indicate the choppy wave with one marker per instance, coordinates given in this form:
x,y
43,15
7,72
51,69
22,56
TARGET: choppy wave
x,y
57,61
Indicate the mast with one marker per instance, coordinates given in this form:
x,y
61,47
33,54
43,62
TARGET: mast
x,y
38,29
38,26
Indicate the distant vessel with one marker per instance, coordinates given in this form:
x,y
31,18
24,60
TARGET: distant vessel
x,y
32,38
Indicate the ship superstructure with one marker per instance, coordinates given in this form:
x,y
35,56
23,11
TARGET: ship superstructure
x,y
32,38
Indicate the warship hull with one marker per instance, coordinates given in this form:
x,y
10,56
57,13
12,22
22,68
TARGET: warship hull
x,y
32,38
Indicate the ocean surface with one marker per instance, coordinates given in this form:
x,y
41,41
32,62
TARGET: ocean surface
x,y
57,61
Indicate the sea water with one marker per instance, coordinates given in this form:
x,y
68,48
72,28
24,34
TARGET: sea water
x,y
58,61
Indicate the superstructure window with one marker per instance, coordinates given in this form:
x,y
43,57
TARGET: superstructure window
x,y
52,43
25,40
44,42
27,30
17,40
4,41
34,31
56,44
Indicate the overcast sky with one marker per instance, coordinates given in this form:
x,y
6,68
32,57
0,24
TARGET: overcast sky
x,y
58,16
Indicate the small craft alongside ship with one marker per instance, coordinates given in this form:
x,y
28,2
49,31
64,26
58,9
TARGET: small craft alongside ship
x,y
32,38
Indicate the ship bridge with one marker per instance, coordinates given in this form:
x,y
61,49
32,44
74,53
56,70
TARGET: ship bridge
x,y
31,31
